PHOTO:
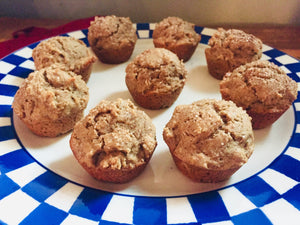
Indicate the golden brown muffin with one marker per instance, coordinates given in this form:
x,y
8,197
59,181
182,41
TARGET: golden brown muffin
x,y
229,49
155,78
50,101
112,38
71,53
114,142
262,89
176,35
209,139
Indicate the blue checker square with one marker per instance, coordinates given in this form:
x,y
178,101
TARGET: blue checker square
x,y
156,207
91,204
204,39
273,53
47,184
255,216
290,196
20,72
9,185
14,59
257,191
209,207
45,214
8,90
143,26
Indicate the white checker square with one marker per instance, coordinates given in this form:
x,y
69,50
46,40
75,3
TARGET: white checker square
x,y
143,33
152,26
286,70
235,202
281,212
16,207
9,146
5,121
6,100
266,48
175,207
119,209
6,67
297,128
278,181
286,59
12,80
28,64
26,174
265,57
24,52
208,31
76,220
293,152
77,34
298,83
298,74
297,106
65,197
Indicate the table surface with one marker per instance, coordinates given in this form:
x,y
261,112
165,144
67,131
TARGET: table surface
x,y
283,38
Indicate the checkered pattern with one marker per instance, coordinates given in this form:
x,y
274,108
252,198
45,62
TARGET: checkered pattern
x,y
30,194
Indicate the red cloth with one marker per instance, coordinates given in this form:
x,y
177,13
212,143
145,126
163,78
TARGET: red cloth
x,y
33,34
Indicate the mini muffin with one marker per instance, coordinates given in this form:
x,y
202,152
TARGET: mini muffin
x,y
114,142
112,38
229,49
155,78
50,101
263,89
176,35
73,54
209,139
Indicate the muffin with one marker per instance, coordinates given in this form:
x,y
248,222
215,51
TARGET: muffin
x,y
176,35
112,38
262,89
114,142
229,49
50,101
71,53
155,78
209,139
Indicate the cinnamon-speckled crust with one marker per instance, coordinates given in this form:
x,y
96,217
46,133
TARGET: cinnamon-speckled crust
x,y
176,35
112,38
229,49
155,78
262,88
209,139
114,142
50,101
71,53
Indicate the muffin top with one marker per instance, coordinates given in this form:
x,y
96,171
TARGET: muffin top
x,y
115,135
175,31
68,51
111,32
241,44
260,86
156,70
52,93
210,134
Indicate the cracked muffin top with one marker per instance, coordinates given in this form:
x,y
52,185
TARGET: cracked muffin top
x,y
67,51
210,134
261,86
111,32
176,35
51,100
115,135
156,70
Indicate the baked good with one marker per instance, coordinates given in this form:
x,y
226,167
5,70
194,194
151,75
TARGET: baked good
x,y
176,35
71,53
230,49
50,101
155,78
209,139
114,142
262,88
112,38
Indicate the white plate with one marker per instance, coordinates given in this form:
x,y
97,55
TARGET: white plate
x,y
44,174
